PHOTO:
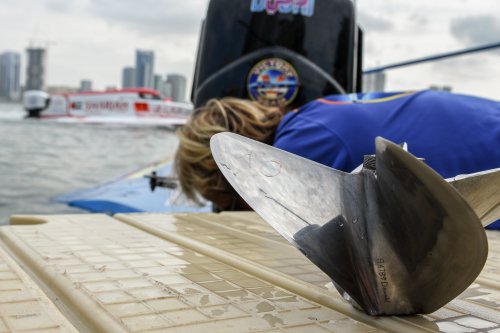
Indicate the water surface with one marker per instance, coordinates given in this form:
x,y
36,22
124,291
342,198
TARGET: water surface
x,y
42,159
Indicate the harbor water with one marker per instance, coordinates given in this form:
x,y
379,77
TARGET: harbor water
x,y
40,160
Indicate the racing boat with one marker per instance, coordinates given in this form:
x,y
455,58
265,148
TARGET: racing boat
x,y
133,106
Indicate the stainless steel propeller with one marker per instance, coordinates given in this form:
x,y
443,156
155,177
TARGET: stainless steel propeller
x,y
482,192
395,241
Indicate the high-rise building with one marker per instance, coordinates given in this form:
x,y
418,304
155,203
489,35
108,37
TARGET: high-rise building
x,y
10,71
128,77
167,89
178,86
85,85
158,83
374,82
35,71
144,68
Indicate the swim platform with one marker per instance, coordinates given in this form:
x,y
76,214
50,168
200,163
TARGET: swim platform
x,y
161,272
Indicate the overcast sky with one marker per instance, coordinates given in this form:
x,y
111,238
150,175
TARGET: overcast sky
x,y
95,39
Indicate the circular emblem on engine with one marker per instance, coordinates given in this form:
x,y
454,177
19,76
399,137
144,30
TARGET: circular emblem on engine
x,y
273,82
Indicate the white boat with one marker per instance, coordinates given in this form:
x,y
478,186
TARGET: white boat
x,y
134,106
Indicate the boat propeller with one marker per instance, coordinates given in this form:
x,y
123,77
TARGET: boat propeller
x,y
395,238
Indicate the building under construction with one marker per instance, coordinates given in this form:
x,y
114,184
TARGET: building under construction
x,y
35,70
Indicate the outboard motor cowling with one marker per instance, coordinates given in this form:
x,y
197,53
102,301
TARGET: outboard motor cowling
x,y
34,102
278,52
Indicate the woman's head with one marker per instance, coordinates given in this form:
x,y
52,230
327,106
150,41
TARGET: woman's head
x,y
194,163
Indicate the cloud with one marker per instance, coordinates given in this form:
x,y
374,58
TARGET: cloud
x,y
59,5
373,23
152,17
463,68
418,20
476,30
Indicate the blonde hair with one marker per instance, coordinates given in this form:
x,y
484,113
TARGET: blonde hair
x,y
194,164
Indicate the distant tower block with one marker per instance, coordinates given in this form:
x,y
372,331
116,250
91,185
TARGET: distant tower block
x,y
374,82
144,68
128,77
35,72
159,84
178,86
85,85
10,68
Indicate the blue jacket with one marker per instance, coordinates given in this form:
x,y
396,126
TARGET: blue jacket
x,y
456,134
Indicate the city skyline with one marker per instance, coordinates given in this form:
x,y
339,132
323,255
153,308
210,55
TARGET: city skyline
x,y
173,86
97,41
11,69
104,35
41,55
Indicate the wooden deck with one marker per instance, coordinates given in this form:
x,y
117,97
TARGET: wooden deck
x,y
226,272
